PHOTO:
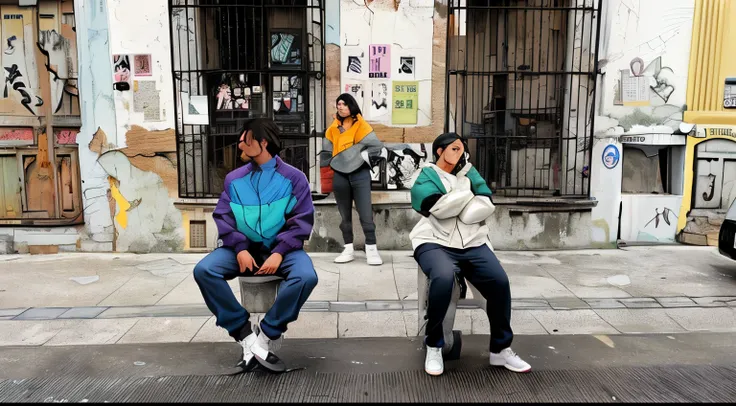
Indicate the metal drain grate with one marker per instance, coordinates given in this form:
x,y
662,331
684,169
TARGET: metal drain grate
x,y
643,384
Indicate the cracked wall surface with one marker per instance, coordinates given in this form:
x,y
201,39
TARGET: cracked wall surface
x,y
128,148
644,60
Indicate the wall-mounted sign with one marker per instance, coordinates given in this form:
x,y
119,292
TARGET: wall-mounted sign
x,y
729,94
611,156
632,139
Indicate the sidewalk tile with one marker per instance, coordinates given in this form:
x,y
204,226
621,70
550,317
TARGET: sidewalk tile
x,y
347,306
676,302
411,322
26,332
567,303
529,304
632,321
535,287
163,330
586,282
316,306
41,313
144,289
715,301
328,276
155,311
364,282
12,312
605,303
572,322
211,333
83,312
384,305
639,302
406,282
522,322
92,332
371,324
313,325
699,319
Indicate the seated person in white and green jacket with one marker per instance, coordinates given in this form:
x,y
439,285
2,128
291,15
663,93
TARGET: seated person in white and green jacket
x,y
451,238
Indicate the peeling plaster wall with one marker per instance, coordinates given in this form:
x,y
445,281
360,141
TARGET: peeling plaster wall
x,y
644,56
127,144
98,114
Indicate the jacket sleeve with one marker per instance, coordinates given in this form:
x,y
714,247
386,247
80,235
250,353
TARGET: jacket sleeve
x,y
424,194
299,220
480,207
227,226
477,184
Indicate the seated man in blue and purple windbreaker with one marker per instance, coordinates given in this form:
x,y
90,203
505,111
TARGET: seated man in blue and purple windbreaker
x,y
263,218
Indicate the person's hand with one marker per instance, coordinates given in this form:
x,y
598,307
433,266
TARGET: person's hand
x,y
246,261
271,265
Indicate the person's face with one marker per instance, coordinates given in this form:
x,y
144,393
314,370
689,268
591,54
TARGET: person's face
x,y
250,147
342,109
453,152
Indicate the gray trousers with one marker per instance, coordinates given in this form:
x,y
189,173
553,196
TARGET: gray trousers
x,y
355,186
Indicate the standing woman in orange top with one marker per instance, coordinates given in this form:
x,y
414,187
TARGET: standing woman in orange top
x,y
353,142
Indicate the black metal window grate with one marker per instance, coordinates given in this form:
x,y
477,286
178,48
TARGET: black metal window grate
x,y
240,59
521,78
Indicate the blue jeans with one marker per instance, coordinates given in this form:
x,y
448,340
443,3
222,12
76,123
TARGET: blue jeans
x,y
481,268
221,265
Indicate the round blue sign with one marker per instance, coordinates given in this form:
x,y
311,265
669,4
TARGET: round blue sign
x,y
611,156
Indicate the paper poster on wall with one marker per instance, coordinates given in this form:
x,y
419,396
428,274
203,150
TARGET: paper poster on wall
x,y
354,64
142,65
405,102
406,67
357,90
379,100
195,109
380,61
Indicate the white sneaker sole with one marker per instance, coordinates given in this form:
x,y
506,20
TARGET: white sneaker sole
x,y
513,369
344,260
378,262
434,373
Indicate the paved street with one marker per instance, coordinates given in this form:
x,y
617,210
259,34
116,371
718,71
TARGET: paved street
x,y
691,367
638,324
76,298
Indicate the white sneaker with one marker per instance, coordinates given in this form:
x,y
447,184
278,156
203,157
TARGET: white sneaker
x,y
371,254
348,254
246,343
433,363
508,358
262,349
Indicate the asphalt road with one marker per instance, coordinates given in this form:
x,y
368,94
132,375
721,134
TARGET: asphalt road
x,y
695,367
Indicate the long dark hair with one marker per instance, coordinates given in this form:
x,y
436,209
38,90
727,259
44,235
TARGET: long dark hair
x,y
349,101
446,139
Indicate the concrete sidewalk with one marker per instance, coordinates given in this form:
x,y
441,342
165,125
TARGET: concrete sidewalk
x,y
85,298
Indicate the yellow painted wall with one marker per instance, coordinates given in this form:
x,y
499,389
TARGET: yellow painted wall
x,y
692,143
712,60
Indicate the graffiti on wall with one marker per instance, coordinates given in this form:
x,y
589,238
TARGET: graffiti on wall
x,y
54,50
394,168
144,217
645,84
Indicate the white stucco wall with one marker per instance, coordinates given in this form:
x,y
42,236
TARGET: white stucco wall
x,y
408,31
128,206
141,27
650,39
